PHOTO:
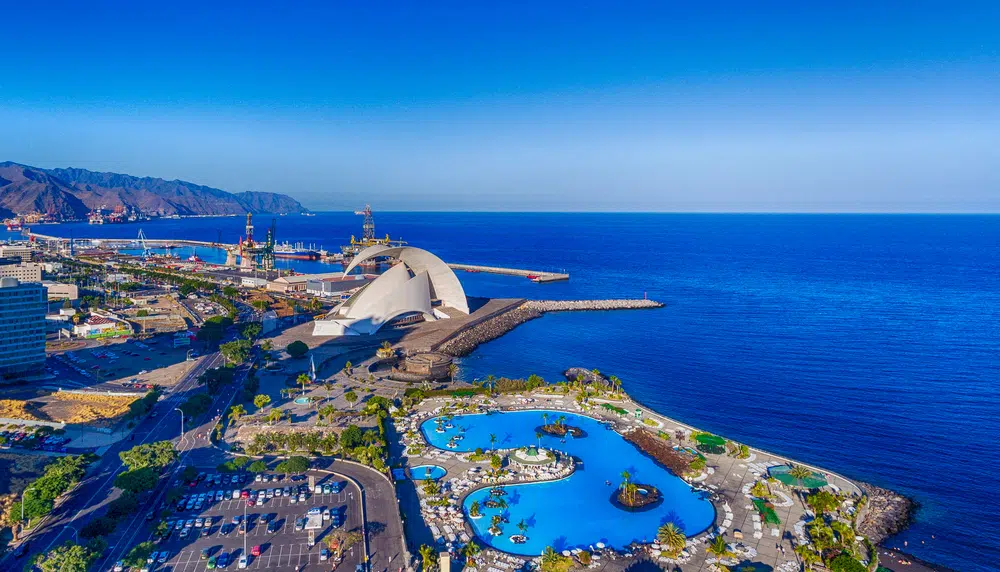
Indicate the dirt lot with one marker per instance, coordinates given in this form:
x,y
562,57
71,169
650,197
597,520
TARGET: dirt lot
x,y
163,315
96,410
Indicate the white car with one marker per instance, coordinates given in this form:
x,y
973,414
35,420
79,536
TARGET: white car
x,y
293,499
270,493
199,522
318,489
257,478
313,511
236,494
243,562
326,514
189,523
152,557
119,566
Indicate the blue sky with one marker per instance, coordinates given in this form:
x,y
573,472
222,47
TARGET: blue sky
x,y
566,106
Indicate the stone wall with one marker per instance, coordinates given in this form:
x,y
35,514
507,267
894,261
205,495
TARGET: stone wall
x,y
885,514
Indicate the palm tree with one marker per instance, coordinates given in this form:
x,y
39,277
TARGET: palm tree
x,y
799,473
471,550
560,420
235,412
474,508
329,388
274,416
522,527
625,478
538,437
493,441
303,380
545,419
719,548
808,556
845,534
348,369
492,380
671,535
351,397
550,558
428,557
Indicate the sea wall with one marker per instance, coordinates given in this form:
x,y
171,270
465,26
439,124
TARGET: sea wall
x,y
490,329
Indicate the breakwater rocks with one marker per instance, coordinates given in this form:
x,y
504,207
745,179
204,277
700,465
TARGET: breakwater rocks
x,y
886,513
487,330
491,329
588,376
591,305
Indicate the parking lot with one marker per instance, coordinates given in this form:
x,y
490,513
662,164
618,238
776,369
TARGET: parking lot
x,y
122,365
272,539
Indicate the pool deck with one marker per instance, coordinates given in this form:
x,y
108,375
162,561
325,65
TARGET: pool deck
x,y
727,478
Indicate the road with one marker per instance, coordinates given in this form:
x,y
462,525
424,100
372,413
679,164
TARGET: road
x,y
78,506
383,525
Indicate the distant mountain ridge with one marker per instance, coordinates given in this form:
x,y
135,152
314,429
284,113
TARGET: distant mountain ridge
x,y
72,193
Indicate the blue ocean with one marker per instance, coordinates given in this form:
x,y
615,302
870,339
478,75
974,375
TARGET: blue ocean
x,y
866,344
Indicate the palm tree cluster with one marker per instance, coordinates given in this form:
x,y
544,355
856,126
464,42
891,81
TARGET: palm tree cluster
x,y
275,441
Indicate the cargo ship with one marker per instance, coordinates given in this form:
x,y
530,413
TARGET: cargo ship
x,y
295,252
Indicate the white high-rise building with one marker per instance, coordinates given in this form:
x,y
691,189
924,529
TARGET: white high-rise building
x,y
22,328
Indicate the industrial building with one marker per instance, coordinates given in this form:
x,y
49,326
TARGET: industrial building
x,y
420,287
334,286
22,328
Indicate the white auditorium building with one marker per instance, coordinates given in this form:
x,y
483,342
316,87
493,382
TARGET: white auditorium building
x,y
421,284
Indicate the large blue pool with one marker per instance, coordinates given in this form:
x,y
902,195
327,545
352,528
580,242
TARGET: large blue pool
x,y
576,511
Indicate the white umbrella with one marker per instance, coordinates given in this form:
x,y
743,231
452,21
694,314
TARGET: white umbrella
x,y
600,545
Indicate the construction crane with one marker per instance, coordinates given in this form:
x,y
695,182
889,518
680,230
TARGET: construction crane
x,y
142,241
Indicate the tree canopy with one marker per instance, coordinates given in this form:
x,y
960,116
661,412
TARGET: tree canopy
x,y
257,467
68,557
138,480
158,454
295,464
351,437
297,349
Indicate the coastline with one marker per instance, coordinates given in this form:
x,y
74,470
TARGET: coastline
x,y
886,514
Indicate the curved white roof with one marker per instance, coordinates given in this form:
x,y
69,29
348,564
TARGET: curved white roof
x,y
444,285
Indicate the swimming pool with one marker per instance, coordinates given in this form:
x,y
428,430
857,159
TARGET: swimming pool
x,y
425,472
574,512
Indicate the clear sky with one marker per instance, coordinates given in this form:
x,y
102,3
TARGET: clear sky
x,y
566,106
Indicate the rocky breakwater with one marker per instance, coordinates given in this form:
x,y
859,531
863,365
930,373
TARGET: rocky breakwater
x,y
591,305
885,514
465,342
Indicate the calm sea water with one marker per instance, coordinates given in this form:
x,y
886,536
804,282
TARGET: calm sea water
x,y
869,345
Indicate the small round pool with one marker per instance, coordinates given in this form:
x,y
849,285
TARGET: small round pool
x,y
427,472
302,400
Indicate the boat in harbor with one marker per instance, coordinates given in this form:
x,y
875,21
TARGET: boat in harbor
x,y
295,251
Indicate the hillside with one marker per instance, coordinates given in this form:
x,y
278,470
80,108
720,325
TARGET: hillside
x,y
72,193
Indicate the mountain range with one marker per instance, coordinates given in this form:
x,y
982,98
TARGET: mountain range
x,y
73,193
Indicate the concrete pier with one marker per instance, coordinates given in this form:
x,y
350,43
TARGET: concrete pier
x,y
537,275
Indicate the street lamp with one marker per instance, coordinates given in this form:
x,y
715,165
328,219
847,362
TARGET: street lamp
x,y
25,491
182,420
76,534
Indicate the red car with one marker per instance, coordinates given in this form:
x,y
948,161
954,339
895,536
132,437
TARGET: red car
x,y
245,494
255,551
251,502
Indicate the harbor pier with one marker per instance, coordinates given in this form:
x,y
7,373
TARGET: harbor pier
x,y
535,275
